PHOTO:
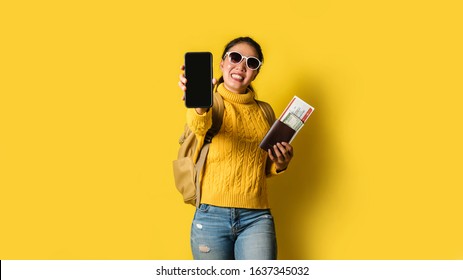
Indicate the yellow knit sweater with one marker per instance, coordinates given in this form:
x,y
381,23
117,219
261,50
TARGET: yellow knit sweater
x,y
234,174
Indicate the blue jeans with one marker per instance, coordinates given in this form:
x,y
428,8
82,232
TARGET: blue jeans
x,y
219,233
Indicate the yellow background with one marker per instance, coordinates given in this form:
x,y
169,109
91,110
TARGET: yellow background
x,y
90,114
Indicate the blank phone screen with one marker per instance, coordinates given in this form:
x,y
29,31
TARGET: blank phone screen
x,y
198,72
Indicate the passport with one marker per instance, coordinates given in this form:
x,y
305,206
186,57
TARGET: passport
x,y
286,127
279,132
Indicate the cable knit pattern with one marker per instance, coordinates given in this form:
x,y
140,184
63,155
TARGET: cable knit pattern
x,y
235,167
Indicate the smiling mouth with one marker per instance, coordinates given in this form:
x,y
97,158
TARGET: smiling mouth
x,y
237,77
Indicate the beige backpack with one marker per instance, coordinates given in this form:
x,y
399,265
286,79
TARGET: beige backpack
x,y
187,168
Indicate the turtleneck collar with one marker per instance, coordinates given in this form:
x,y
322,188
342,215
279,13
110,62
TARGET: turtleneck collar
x,y
245,98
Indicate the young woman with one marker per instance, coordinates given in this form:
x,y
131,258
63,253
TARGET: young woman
x,y
233,220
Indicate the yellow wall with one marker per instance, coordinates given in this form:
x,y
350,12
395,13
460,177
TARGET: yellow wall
x,y
90,113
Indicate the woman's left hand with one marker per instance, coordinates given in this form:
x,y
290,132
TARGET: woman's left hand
x,y
283,154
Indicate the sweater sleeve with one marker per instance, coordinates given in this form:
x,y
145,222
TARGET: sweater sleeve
x,y
271,169
199,124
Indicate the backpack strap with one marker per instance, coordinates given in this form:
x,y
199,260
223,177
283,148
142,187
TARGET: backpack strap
x,y
217,119
268,111
198,168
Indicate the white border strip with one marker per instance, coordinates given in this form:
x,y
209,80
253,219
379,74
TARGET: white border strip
x,y
236,270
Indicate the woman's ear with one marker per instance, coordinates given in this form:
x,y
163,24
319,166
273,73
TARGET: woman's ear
x,y
221,65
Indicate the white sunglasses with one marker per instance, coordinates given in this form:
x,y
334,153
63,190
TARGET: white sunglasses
x,y
252,63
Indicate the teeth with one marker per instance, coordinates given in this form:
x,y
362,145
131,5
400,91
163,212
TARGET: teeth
x,y
235,76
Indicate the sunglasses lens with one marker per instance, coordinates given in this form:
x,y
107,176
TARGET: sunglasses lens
x,y
235,57
253,63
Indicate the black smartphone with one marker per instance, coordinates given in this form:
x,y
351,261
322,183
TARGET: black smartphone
x,y
198,72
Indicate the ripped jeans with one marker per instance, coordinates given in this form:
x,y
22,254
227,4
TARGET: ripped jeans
x,y
220,233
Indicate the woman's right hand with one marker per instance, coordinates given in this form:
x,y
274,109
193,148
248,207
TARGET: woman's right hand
x,y
182,84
